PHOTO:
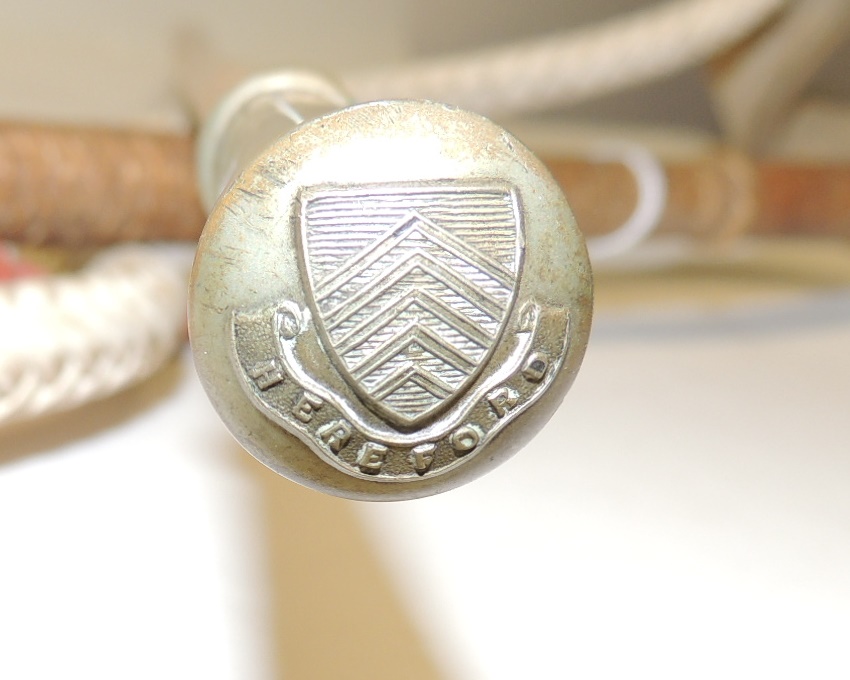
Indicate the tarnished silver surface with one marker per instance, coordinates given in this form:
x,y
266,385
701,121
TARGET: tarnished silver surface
x,y
255,113
391,301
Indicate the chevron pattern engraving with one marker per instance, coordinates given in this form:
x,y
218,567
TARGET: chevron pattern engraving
x,y
411,287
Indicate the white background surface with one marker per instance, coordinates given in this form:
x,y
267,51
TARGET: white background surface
x,y
686,514
129,543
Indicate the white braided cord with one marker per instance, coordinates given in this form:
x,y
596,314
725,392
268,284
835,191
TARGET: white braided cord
x,y
65,340
574,66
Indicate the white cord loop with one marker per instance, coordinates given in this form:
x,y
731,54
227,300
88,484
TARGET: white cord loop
x,y
69,339
651,181
575,66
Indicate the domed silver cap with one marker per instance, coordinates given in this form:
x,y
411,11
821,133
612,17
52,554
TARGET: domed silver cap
x,y
390,301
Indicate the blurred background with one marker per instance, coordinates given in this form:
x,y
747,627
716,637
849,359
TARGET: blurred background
x,y
685,513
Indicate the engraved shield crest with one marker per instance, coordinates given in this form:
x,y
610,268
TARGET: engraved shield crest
x,y
411,286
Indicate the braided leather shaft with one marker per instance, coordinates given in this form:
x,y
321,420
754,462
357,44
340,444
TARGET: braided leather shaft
x,y
100,185
91,187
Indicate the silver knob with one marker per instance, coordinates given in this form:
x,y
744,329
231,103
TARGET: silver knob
x,y
390,300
